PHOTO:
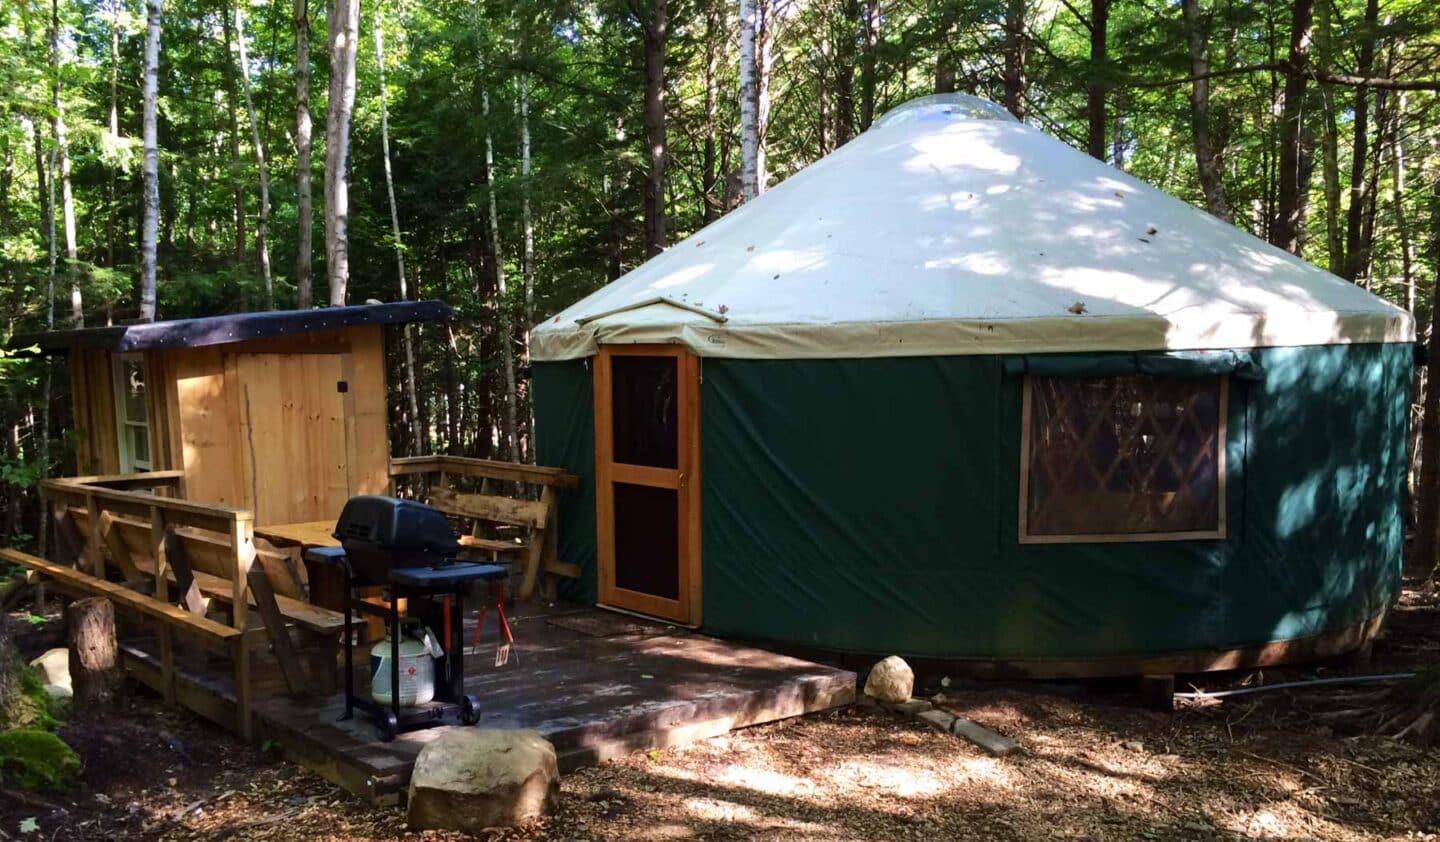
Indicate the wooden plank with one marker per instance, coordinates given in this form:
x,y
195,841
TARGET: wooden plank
x,y
529,513
467,466
122,595
537,544
313,618
162,593
275,628
130,482
138,503
190,597
94,557
493,545
243,545
110,535
208,551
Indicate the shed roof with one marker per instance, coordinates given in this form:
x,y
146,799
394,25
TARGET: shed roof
x,y
950,228
221,330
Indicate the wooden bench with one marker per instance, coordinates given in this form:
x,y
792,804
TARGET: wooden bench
x,y
432,479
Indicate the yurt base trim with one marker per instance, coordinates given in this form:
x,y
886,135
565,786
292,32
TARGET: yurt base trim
x,y
1331,644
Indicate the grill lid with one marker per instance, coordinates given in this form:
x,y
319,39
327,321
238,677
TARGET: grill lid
x,y
391,524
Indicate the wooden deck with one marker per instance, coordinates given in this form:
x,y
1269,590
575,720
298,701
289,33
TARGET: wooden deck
x,y
596,684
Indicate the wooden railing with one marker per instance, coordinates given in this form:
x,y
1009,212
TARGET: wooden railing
x,y
103,500
485,491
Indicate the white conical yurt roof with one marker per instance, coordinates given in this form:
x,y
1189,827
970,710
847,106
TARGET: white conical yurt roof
x,y
951,228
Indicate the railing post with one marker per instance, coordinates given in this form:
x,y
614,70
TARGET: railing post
x,y
242,543
95,538
159,553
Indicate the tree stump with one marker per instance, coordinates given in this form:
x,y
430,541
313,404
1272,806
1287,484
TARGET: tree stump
x,y
95,672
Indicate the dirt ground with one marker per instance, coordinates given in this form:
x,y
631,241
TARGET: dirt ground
x,y
1093,766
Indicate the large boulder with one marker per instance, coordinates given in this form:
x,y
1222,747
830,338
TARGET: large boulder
x,y
891,680
53,669
468,779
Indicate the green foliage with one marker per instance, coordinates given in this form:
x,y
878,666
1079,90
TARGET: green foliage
x,y
35,759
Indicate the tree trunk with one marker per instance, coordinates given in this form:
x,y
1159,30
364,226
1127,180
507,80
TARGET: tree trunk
x,y
709,175
262,225
1293,167
343,22
1397,203
1207,156
869,45
111,175
150,175
1095,86
232,115
845,56
507,332
764,60
412,398
1355,255
750,182
1329,144
1014,75
304,212
62,152
1427,495
95,671
527,254
656,152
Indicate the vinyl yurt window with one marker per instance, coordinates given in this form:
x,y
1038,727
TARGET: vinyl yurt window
x,y
1128,458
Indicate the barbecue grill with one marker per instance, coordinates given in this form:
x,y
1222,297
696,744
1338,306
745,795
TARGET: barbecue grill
x,y
380,534
408,548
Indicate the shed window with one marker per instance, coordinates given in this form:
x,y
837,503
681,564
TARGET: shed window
x,y
132,413
1132,458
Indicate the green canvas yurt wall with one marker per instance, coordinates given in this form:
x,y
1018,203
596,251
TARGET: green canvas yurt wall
x,y
871,505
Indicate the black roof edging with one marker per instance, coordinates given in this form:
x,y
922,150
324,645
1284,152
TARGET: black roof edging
x,y
222,330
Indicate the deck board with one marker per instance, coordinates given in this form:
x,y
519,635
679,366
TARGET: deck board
x,y
594,697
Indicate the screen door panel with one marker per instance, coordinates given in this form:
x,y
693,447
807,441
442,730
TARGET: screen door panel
x,y
647,465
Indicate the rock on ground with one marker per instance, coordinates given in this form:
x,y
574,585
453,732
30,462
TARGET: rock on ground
x,y
469,779
53,667
891,680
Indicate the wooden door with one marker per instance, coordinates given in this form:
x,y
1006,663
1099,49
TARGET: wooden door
x,y
294,436
647,469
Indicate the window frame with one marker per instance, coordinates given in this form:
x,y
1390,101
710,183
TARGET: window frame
x,y
1221,527
123,423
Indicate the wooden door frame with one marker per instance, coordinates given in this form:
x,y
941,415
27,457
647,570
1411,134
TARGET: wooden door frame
x,y
685,479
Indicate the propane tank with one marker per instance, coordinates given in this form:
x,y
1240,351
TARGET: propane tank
x,y
418,651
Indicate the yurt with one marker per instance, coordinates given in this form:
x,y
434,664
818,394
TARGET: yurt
x,y
959,391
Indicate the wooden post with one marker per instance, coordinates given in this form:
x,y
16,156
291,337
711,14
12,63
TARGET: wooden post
x,y
95,671
242,543
159,553
93,552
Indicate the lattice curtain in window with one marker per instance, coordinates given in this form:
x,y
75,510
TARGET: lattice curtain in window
x,y
1123,458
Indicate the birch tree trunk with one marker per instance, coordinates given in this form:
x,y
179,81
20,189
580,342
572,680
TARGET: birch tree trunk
x,y
750,182
528,250
412,398
150,170
527,221
709,176
655,144
114,133
262,225
305,214
1207,156
62,153
343,21
507,333
232,114
764,59
1014,74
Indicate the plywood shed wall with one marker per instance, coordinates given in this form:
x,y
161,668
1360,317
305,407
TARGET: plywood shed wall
x,y
260,424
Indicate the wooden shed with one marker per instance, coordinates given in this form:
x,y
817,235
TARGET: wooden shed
x,y
281,413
